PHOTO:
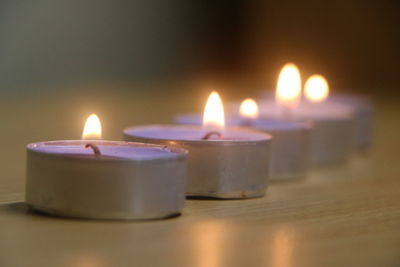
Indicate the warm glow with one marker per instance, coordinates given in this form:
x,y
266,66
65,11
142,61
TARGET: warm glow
x,y
214,112
316,88
289,86
92,129
209,240
282,248
249,109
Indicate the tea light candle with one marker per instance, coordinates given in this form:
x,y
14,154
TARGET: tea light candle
x,y
98,179
364,116
223,162
332,136
290,141
290,146
361,106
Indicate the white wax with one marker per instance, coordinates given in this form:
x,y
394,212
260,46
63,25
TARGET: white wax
x,y
358,101
115,150
311,111
187,133
264,124
267,124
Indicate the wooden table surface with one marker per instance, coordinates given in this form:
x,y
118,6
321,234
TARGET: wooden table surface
x,y
345,215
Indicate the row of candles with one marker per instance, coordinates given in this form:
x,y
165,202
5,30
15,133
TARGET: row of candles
x,y
218,156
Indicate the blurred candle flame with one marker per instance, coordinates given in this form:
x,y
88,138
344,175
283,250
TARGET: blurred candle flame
x,y
316,88
249,109
288,89
92,129
214,112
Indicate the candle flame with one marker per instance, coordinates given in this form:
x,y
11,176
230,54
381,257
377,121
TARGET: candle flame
x,y
316,88
214,112
289,86
92,129
249,108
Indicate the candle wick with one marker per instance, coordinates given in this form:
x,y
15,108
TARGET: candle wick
x,y
95,148
209,134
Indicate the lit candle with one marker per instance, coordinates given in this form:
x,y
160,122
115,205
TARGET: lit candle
x,y
332,135
100,179
290,146
316,92
223,162
334,124
364,116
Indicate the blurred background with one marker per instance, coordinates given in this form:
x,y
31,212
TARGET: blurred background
x,y
51,44
143,61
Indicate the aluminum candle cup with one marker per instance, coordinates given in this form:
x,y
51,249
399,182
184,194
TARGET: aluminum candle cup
x,y
234,164
109,180
332,136
364,116
290,146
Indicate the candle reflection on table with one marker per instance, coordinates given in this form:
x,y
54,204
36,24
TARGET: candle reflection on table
x,y
209,243
86,261
282,248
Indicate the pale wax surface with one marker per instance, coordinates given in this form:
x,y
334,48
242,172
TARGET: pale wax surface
x,y
194,133
264,124
121,152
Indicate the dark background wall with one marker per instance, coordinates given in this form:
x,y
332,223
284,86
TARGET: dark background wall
x,y
354,43
47,44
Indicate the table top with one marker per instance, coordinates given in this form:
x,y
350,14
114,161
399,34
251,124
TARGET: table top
x,y
342,215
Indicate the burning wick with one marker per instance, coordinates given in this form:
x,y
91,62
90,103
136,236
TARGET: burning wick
x,y
209,134
95,148
213,115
